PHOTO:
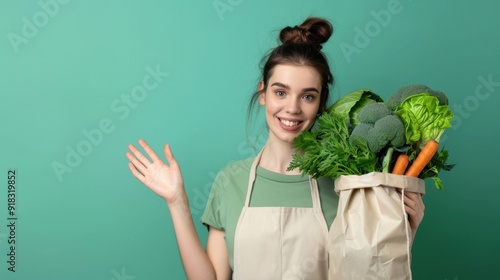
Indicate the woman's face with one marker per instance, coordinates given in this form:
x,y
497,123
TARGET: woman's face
x,y
291,99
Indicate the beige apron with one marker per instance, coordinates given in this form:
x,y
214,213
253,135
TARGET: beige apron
x,y
281,242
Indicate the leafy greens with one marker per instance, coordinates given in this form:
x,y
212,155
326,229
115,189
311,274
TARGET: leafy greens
x,y
326,151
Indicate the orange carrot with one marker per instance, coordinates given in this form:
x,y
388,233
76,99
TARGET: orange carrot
x,y
423,158
400,165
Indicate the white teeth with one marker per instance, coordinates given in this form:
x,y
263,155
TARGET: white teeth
x,y
289,123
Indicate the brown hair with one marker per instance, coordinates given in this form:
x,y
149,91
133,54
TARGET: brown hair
x,y
301,45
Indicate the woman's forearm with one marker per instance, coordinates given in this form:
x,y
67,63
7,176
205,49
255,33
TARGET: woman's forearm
x,y
195,260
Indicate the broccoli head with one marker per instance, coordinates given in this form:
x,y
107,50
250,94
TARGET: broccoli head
x,y
397,98
379,126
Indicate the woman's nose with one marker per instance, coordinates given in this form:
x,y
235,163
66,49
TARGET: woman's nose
x,y
293,106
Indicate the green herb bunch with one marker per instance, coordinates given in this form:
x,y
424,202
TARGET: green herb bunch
x,y
327,152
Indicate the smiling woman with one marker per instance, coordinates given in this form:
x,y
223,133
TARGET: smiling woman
x,y
264,222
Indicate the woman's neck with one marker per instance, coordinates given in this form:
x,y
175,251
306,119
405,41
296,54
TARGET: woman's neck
x,y
277,156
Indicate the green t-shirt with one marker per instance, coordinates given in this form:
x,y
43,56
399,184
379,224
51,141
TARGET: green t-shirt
x,y
229,190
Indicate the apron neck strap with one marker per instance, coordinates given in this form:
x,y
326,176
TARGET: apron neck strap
x,y
251,178
314,193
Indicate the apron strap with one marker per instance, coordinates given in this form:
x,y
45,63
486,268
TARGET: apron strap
x,y
251,178
315,194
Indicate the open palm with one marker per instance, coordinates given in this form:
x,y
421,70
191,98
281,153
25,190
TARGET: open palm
x,y
165,180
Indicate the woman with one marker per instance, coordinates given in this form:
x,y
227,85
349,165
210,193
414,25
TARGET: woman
x,y
264,221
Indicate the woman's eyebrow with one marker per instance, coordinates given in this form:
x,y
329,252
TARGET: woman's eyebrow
x,y
288,87
311,89
281,85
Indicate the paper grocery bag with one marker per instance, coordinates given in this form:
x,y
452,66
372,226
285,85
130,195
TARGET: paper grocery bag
x,y
370,237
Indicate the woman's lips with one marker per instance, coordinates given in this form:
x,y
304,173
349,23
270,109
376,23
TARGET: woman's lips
x,y
290,125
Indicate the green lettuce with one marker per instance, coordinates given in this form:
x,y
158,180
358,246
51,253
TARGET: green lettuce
x,y
349,105
424,118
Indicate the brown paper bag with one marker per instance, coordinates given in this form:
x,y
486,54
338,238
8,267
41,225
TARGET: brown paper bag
x,y
370,237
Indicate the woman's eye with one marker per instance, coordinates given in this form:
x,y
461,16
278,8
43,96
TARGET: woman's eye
x,y
309,97
280,93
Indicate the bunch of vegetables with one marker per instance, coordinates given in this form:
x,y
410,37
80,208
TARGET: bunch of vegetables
x,y
360,133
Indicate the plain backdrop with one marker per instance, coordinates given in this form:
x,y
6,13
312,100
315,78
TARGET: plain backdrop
x,y
80,80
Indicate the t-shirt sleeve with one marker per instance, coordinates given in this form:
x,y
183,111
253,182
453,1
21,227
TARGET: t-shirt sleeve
x,y
213,214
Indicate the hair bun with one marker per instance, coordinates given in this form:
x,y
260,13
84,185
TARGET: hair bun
x,y
313,31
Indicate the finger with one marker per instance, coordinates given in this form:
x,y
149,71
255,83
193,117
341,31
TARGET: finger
x,y
410,211
169,155
414,214
414,210
149,151
142,159
415,200
409,202
419,203
137,165
412,195
136,173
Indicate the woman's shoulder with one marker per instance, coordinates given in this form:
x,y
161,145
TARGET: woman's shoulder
x,y
233,173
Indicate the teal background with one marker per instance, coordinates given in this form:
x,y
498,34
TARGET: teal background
x,y
98,222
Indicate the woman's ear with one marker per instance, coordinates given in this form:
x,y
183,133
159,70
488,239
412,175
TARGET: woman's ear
x,y
262,95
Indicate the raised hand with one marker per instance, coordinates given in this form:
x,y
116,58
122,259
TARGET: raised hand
x,y
165,180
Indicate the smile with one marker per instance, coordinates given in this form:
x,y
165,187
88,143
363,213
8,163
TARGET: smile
x,y
289,123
